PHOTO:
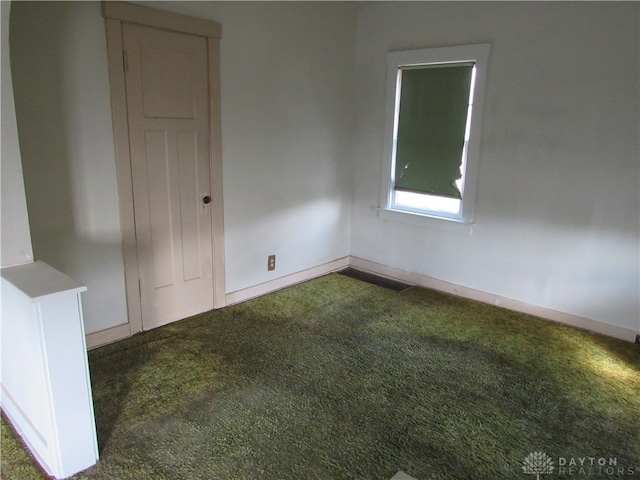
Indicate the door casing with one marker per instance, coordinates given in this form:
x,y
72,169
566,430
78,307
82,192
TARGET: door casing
x,y
115,14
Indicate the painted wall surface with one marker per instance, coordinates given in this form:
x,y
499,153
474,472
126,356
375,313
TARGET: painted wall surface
x,y
558,202
287,82
303,92
287,87
15,241
61,84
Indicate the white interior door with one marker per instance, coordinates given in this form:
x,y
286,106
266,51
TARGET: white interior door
x,y
168,112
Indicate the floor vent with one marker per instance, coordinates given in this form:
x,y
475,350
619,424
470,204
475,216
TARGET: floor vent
x,y
375,279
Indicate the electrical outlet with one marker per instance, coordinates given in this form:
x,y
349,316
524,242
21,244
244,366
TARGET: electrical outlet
x,y
271,262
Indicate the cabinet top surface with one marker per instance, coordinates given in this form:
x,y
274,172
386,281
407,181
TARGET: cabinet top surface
x,y
38,280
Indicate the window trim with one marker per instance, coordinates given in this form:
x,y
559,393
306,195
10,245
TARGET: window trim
x,y
477,53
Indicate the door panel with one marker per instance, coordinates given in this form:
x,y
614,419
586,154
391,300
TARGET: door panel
x,y
190,194
168,83
160,218
167,102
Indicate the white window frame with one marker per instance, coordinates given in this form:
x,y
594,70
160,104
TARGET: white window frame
x,y
463,221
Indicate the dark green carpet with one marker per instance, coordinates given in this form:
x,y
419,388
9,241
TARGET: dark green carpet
x,y
337,379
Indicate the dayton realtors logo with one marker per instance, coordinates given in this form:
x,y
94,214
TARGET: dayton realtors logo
x,y
539,463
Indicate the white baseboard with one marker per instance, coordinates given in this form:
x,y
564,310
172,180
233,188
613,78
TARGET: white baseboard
x,y
286,281
110,335
484,297
121,332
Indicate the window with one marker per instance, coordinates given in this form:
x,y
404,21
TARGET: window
x,y
434,103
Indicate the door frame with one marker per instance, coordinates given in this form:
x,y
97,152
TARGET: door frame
x,y
115,14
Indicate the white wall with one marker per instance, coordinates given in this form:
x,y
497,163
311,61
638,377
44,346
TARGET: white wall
x,y
303,89
15,241
287,84
557,221
59,63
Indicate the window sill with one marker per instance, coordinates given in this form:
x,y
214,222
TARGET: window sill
x,y
437,223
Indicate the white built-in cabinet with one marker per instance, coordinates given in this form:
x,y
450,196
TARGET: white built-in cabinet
x,y
46,390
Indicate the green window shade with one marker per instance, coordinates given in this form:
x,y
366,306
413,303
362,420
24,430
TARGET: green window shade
x,y
434,102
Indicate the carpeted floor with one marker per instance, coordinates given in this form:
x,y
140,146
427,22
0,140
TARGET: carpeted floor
x,y
340,379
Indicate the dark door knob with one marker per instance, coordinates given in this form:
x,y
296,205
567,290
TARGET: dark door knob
x,y
207,199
